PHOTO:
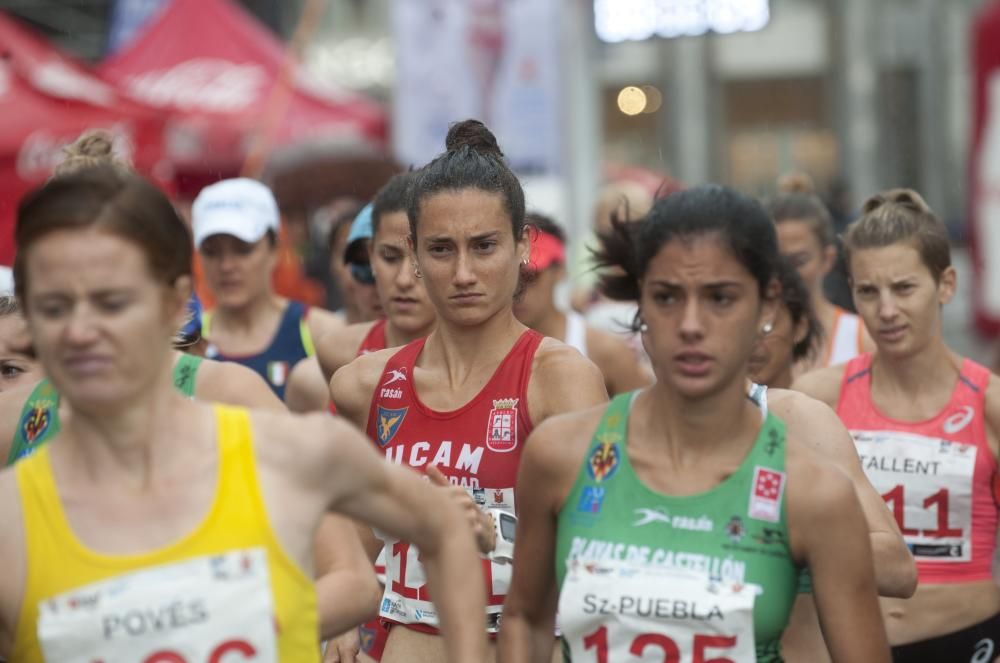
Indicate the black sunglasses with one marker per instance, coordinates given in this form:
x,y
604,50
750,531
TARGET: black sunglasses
x,y
362,273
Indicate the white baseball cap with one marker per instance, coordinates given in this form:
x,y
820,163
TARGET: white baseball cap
x,y
241,207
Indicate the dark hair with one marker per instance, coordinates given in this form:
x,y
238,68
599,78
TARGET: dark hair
x,y
393,197
472,160
796,200
103,197
795,297
901,215
742,224
342,224
545,224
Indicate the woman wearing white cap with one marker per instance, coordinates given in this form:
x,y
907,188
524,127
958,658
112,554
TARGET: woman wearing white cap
x,y
235,224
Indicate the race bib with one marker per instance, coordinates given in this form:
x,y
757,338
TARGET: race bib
x,y
406,598
622,612
212,609
927,483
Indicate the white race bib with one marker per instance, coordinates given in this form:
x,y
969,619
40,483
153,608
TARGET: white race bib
x,y
927,484
625,613
213,609
406,598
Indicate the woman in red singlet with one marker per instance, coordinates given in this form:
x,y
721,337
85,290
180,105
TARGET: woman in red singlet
x,y
465,398
925,422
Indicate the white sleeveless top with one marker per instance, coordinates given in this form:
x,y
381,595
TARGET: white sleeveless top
x,y
576,332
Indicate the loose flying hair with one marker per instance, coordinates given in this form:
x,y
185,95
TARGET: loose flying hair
x,y
795,297
796,200
105,198
901,215
741,223
472,160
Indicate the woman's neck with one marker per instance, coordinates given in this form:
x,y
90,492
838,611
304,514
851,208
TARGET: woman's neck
x,y
552,324
247,317
910,375
396,336
464,348
689,428
129,442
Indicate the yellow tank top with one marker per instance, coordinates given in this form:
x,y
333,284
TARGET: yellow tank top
x,y
228,587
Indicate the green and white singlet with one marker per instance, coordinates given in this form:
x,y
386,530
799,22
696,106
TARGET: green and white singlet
x,y
648,576
39,421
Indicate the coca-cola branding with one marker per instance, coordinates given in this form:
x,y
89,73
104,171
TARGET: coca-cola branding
x,y
204,84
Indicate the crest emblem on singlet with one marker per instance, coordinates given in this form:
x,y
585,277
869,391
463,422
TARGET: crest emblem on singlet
x,y
389,422
603,461
36,422
501,432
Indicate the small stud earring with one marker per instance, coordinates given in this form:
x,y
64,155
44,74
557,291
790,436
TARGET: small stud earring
x,y
767,328
643,328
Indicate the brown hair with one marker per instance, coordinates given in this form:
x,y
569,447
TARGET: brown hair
x,y
901,215
796,200
103,197
94,147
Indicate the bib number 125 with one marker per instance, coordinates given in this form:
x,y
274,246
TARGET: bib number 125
x,y
645,642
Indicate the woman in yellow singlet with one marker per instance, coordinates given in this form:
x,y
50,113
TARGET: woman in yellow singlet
x,y
162,528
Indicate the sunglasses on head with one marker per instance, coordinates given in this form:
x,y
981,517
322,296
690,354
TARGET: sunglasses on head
x,y
362,273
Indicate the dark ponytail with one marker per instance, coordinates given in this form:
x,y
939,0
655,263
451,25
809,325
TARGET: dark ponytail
x,y
472,160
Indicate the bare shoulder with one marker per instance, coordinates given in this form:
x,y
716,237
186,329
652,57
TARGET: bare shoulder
x,y
556,447
306,390
321,321
301,447
607,346
822,384
815,488
813,424
234,384
353,385
562,380
339,346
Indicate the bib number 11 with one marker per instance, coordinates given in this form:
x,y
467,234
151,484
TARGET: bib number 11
x,y
598,641
895,499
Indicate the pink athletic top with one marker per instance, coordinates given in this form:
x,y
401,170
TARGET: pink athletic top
x,y
936,475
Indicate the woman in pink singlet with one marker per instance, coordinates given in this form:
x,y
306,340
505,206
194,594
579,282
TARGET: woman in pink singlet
x,y
925,423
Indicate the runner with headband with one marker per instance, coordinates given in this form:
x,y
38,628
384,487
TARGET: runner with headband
x,y
158,527
536,308
465,398
925,422
678,522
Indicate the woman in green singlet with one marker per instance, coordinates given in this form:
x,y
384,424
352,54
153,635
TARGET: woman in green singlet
x,y
677,519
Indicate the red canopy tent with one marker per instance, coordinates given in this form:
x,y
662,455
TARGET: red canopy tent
x,y
46,100
228,82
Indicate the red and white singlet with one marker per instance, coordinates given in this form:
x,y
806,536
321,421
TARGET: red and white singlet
x,y
935,475
478,446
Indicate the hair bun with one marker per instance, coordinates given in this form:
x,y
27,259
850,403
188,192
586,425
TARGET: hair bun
x,y
796,183
474,135
94,143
